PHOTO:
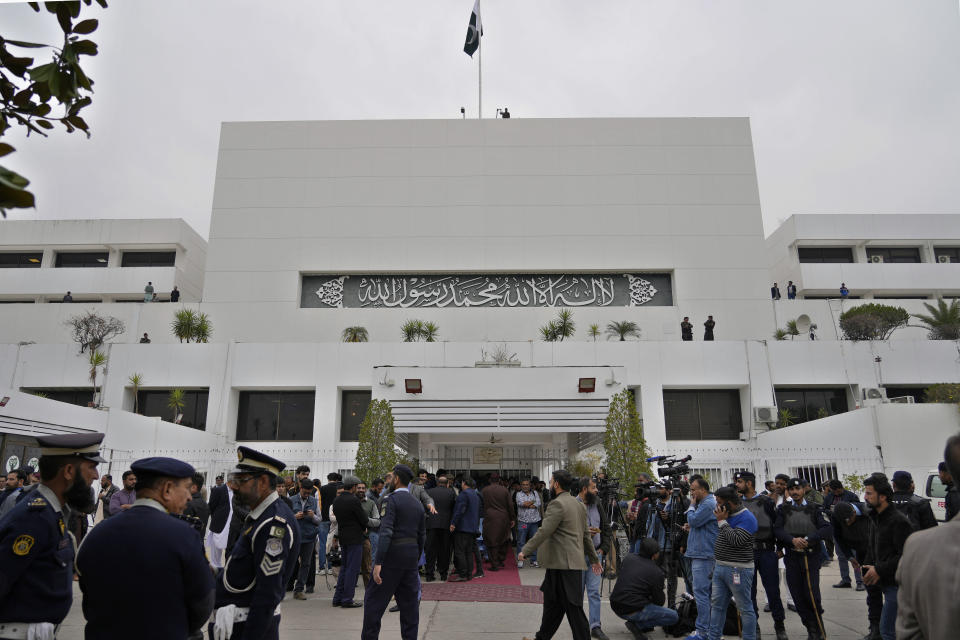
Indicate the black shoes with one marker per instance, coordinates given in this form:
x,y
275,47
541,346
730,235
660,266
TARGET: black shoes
x,y
598,633
395,608
351,605
479,574
874,633
780,631
843,584
635,630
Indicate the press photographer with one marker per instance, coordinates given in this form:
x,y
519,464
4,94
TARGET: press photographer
x,y
638,595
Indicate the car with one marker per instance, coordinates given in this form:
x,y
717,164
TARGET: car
x,y
936,492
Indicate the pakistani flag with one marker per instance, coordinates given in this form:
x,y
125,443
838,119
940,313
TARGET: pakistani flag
x,y
474,31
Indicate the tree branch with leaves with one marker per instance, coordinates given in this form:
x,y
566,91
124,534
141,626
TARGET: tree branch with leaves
x,y
29,87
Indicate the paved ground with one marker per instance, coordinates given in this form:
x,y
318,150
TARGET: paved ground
x,y
845,617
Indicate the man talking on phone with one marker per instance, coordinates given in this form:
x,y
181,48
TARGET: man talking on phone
x,y
733,573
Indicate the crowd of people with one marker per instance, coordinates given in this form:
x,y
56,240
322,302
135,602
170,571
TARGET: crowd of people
x,y
267,533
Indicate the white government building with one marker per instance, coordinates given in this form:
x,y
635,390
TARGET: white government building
x,y
484,228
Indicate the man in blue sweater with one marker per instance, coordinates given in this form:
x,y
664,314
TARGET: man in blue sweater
x,y
734,571
702,528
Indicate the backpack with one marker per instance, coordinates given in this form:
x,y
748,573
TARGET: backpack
x,y
687,610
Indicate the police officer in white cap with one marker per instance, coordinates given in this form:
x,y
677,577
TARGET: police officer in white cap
x,y
254,577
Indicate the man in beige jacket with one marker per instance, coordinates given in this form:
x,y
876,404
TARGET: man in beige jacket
x,y
561,544
927,574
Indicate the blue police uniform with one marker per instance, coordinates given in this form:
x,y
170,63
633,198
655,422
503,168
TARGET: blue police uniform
x,y
259,566
804,520
36,562
36,550
157,560
402,536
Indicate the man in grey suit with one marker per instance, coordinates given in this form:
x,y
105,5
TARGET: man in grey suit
x,y
927,574
561,544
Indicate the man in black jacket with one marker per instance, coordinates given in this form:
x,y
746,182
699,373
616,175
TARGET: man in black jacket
x,y
890,531
852,529
328,493
439,539
833,497
351,526
638,596
221,497
952,499
197,507
917,509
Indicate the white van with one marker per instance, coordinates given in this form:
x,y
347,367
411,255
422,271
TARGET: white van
x,y
937,493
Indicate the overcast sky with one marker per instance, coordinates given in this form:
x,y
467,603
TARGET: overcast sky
x,y
855,105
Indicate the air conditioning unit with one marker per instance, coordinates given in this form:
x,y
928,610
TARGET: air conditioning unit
x,y
943,259
765,414
902,400
873,393
876,259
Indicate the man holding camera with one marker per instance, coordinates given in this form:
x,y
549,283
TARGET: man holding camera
x,y
765,555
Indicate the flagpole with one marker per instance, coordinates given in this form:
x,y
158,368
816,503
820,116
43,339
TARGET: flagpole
x,y
479,64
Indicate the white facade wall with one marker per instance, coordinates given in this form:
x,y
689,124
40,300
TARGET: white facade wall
x,y
519,196
861,232
109,282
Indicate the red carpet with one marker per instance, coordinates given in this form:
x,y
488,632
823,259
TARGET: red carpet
x,y
495,586
476,591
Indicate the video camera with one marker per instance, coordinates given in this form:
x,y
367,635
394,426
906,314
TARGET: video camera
x,y
669,469
607,486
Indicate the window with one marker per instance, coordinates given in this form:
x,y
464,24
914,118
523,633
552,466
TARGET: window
x,y
29,260
73,260
817,474
148,259
810,404
825,254
275,415
894,254
156,403
353,408
71,395
935,488
712,414
952,254
919,394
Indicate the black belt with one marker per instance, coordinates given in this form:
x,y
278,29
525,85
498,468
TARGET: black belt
x,y
763,546
405,541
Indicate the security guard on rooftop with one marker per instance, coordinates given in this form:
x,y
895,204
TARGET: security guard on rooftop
x,y
36,550
253,580
402,536
155,554
801,526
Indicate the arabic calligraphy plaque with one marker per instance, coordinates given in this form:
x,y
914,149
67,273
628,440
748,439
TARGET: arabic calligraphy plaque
x,y
486,290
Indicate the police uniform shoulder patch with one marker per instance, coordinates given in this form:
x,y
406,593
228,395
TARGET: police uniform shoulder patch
x,y
37,503
274,547
23,544
277,531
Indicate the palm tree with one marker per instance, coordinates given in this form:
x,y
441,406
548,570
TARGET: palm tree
x,y
203,329
354,334
136,380
564,324
623,330
594,331
176,402
184,324
96,359
780,334
549,332
792,329
943,321
412,330
429,331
